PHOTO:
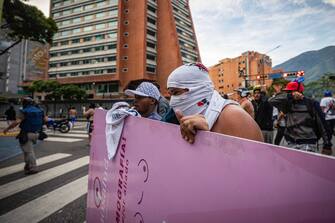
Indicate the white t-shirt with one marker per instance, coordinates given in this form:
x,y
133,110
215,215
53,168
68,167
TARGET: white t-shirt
x,y
328,106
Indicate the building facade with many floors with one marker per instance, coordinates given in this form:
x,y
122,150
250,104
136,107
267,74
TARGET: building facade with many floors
x,y
249,69
106,46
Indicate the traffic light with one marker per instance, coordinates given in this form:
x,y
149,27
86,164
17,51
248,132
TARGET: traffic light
x,y
291,74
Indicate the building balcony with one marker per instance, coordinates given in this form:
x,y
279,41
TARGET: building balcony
x,y
82,45
88,55
81,67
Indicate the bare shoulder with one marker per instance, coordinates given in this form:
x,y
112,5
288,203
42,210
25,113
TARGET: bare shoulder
x,y
234,121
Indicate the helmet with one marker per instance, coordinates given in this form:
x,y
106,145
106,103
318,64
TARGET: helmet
x,y
327,93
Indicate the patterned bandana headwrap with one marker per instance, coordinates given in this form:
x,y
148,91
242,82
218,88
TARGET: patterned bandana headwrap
x,y
195,78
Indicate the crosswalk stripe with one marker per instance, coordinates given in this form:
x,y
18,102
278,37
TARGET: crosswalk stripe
x,y
59,139
36,210
43,160
33,180
69,135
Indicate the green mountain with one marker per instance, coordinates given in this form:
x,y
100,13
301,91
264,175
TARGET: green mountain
x,y
314,63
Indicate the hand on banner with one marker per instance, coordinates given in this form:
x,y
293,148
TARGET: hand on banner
x,y
190,124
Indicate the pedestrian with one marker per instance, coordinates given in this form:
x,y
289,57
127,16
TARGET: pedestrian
x,y
146,100
89,114
305,123
263,114
243,100
30,120
327,105
199,107
10,115
72,115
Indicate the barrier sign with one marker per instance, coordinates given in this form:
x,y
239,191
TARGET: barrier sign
x,y
158,177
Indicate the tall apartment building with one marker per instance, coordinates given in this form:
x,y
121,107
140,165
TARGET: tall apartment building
x,y
106,46
249,69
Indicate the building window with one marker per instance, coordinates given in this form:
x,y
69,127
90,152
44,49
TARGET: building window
x,y
98,71
112,58
100,26
124,69
55,44
100,15
151,33
125,46
151,57
86,61
152,21
126,22
126,34
88,17
87,50
151,69
63,64
151,9
76,20
85,73
74,74
86,39
75,62
53,65
125,58
75,41
100,37
64,53
111,70
75,10
99,48
126,11
88,28
52,75
151,45
64,43
112,46
76,30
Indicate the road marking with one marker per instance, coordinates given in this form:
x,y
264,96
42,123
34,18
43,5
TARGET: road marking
x,y
40,208
33,180
40,161
79,131
69,135
58,139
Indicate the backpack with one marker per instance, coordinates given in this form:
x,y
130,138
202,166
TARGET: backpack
x,y
33,119
315,110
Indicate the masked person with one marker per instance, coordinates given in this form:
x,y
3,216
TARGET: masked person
x,y
199,107
30,120
305,123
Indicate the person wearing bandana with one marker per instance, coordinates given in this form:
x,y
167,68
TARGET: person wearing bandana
x,y
199,107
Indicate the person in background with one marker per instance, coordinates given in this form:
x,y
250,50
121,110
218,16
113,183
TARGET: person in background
x,y
89,114
72,115
30,120
163,103
199,107
305,123
263,114
242,99
327,105
146,100
10,115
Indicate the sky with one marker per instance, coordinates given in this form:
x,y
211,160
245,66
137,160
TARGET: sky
x,y
227,28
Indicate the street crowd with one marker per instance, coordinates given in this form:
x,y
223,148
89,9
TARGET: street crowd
x,y
195,105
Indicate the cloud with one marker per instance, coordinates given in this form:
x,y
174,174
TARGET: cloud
x,y
330,2
227,28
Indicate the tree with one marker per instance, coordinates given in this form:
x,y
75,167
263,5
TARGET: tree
x,y
56,91
24,21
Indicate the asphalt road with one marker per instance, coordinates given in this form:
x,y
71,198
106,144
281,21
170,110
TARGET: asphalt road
x,y
58,192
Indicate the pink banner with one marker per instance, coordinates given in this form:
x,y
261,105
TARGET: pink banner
x,y
158,177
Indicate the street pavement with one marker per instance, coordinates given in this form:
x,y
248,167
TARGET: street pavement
x,y
58,192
